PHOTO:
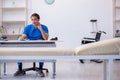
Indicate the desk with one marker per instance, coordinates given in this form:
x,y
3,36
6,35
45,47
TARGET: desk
x,y
28,43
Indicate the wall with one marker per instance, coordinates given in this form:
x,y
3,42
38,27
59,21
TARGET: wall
x,y
0,12
69,20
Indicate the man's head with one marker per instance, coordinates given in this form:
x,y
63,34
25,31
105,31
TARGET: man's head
x,y
35,18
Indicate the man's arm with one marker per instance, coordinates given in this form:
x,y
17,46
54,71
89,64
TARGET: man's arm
x,y
44,35
23,37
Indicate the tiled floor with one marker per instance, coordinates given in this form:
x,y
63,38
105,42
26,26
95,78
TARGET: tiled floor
x,y
65,70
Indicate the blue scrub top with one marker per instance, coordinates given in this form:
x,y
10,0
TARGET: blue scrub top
x,y
34,33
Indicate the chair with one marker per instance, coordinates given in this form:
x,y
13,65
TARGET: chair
x,y
34,68
86,40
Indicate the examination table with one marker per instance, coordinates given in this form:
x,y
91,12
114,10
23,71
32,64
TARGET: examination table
x,y
105,49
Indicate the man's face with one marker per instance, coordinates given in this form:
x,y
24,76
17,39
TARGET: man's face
x,y
35,20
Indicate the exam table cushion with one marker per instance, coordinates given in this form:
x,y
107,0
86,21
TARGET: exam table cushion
x,y
104,47
36,51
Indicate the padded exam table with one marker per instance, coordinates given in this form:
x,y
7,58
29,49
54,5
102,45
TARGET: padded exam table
x,y
28,43
105,50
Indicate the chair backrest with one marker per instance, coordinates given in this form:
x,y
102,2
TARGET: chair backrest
x,y
98,35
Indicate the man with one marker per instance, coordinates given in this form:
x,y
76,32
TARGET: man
x,y
34,31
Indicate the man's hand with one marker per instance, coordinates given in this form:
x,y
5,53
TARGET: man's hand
x,y
39,27
23,37
44,35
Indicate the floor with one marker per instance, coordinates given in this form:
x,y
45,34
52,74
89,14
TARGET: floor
x,y
65,70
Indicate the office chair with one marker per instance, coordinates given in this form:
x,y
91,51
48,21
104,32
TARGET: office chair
x,y
55,38
86,40
34,68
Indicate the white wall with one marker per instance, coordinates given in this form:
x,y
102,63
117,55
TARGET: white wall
x,y
0,13
69,20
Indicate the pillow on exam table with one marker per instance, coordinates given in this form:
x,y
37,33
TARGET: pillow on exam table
x,y
110,46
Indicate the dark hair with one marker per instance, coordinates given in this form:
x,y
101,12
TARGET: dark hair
x,y
36,15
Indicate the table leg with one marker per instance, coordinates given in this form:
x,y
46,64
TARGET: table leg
x,y
4,68
54,69
0,70
104,70
111,71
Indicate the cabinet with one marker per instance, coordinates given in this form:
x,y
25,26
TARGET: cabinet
x,y
14,16
116,18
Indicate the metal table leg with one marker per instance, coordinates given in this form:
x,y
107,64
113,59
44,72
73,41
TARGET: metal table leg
x,y
0,71
54,69
4,68
104,70
111,74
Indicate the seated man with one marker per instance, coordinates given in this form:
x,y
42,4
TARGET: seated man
x,y
34,31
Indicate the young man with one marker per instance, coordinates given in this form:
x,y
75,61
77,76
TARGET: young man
x,y
34,31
